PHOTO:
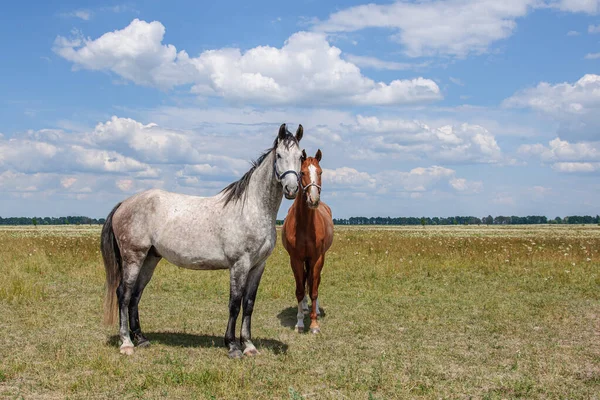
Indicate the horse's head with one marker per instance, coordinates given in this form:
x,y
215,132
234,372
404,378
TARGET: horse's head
x,y
288,160
310,178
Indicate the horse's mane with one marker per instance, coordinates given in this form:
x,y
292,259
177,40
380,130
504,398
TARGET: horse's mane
x,y
236,190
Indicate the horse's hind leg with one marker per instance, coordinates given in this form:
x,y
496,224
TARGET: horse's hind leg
x,y
238,276
131,270
300,277
134,320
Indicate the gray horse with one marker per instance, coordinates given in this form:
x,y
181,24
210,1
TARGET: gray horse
x,y
233,230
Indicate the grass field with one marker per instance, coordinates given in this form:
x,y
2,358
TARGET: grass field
x,y
455,312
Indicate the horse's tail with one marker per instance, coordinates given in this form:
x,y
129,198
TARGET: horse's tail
x,y
113,267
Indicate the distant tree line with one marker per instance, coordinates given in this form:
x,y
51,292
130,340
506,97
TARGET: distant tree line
x,y
458,220
51,221
462,220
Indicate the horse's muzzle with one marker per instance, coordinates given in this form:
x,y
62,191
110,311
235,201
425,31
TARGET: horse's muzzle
x,y
313,204
290,194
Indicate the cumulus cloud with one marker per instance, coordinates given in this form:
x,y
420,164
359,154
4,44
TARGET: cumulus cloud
x,y
561,150
575,167
346,177
376,63
416,180
81,14
453,27
564,156
305,70
37,156
137,154
462,185
576,6
575,106
465,143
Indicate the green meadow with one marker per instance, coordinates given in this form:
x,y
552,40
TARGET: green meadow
x,y
420,312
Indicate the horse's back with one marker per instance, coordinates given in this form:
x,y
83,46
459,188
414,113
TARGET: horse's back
x,y
180,227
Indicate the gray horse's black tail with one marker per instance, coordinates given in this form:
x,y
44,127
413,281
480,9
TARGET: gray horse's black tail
x,y
113,266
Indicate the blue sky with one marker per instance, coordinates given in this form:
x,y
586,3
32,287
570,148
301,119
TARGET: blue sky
x,y
431,108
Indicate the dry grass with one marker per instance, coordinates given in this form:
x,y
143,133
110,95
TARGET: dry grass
x,y
452,312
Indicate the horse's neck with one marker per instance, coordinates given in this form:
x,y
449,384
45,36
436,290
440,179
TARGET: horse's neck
x,y
264,191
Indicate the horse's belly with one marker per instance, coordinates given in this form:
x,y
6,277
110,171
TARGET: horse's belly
x,y
199,260
204,265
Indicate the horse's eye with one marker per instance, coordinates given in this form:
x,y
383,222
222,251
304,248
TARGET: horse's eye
x,y
278,155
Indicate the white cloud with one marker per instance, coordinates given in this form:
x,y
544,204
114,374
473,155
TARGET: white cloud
x,y
67,182
575,167
417,180
124,184
464,143
462,185
147,142
376,63
576,6
346,177
594,29
434,27
81,14
565,156
561,150
306,70
573,33
575,106
563,98
453,27
457,81
592,56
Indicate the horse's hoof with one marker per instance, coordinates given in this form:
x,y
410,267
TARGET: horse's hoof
x,y
128,350
235,354
251,351
315,331
299,329
140,340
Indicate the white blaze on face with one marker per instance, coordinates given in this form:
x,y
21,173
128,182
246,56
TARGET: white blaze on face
x,y
313,190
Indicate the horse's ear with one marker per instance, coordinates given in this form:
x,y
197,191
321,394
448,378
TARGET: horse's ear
x,y
282,132
318,155
304,157
299,132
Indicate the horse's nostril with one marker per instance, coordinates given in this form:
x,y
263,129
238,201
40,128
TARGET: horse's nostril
x,y
290,191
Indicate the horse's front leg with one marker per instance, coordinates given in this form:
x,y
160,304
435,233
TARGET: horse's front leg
x,y
238,276
300,277
250,296
314,281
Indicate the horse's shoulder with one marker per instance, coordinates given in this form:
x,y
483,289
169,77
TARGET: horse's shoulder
x,y
325,209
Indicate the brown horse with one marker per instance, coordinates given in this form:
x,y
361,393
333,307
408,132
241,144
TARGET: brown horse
x,y
306,235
